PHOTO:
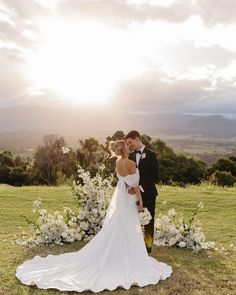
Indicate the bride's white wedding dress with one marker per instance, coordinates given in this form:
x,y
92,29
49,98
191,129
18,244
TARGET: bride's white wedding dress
x,y
115,257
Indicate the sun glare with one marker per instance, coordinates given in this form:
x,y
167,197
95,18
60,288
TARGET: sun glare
x,y
81,62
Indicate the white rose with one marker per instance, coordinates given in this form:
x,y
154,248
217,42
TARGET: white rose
x,y
172,212
165,219
182,244
84,225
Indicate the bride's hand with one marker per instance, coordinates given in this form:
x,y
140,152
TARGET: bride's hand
x,y
140,206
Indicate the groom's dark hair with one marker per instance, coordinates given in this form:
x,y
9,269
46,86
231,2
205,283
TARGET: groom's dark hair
x,y
133,134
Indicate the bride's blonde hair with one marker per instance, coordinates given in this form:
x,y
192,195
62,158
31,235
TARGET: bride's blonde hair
x,y
117,147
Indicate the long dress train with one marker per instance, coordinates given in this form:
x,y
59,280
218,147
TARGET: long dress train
x,y
115,257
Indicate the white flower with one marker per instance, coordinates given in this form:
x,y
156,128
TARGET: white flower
x,y
145,216
143,156
197,248
65,150
70,223
95,211
165,219
171,212
42,211
74,219
173,230
170,231
182,244
84,225
200,205
36,205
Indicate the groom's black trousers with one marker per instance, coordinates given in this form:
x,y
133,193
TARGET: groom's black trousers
x,y
149,201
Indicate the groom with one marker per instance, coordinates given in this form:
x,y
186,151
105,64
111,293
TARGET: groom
x,y
147,164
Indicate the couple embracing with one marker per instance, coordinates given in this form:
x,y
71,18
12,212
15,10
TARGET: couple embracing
x,y
147,164
118,255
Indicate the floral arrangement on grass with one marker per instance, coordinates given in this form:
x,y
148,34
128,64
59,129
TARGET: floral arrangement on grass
x,y
171,230
92,195
53,228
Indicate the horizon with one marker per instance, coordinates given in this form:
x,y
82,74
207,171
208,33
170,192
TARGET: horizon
x,y
229,115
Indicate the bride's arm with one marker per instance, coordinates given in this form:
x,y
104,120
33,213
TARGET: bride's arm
x,y
139,197
137,191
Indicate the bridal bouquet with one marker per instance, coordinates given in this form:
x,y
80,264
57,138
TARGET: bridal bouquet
x,y
145,216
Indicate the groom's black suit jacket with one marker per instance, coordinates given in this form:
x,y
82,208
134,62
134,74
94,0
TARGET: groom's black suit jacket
x,y
149,171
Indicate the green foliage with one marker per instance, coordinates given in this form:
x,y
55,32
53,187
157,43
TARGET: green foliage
x,y
51,166
173,167
90,155
62,179
162,149
50,159
7,159
13,169
5,172
224,164
223,178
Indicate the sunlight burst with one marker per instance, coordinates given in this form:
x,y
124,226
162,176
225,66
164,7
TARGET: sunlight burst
x,y
80,62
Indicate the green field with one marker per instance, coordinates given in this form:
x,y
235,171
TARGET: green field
x,y
208,272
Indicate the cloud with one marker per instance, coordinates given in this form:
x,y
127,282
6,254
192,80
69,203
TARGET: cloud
x,y
216,12
15,34
13,84
24,9
154,91
19,23
120,12
185,54
19,30
15,87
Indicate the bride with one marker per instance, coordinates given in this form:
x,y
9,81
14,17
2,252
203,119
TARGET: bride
x,y
115,257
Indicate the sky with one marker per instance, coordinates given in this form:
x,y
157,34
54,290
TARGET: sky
x,y
138,56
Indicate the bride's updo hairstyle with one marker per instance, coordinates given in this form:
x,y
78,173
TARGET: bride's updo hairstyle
x,y
117,147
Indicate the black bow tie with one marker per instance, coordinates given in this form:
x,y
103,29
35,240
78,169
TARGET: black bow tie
x,y
138,152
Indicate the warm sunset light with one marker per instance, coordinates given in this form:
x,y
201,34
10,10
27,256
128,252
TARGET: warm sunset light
x,y
74,62
116,108
143,55
80,62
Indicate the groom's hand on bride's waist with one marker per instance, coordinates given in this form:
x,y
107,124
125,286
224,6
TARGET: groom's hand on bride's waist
x,y
131,191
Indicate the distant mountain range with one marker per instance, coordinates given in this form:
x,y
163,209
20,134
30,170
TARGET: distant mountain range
x,y
103,122
214,125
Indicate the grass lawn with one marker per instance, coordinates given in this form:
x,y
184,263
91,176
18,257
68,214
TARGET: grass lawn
x,y
208,272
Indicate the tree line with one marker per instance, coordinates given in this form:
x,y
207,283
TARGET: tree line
x,y
51,165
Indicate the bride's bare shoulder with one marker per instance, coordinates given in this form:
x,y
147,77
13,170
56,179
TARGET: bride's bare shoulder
x,y
125,166
131,166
